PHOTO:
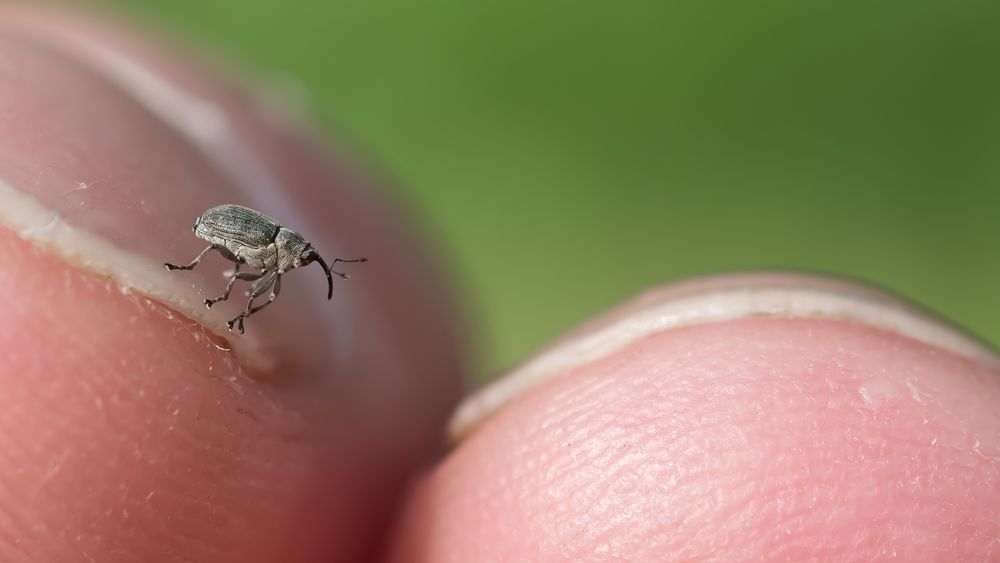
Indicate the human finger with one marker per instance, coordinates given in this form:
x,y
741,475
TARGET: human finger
x,y
755,417
134,425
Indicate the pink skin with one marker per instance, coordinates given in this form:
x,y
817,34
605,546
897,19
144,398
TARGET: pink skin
x,y
777,440
127,435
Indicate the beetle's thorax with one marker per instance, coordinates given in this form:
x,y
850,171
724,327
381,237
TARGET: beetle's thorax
x,y
290,247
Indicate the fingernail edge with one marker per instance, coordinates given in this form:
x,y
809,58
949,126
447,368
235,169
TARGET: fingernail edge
x,y
712,300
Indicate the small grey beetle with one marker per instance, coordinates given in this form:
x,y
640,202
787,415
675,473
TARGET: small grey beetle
x,y
249,237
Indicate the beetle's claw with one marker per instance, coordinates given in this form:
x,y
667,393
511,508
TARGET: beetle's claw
x,y
209,303
233,321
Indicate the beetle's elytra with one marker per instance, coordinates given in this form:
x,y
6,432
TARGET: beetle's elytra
x,y
247,236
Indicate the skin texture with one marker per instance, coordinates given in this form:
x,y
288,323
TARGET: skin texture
x,y
127,433
757,439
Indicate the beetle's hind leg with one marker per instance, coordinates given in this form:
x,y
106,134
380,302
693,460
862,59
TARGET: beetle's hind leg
x,y
237,275
275,281
193,263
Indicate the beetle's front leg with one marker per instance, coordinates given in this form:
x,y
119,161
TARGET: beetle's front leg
x,y
254,287
237,275
274,280
193,263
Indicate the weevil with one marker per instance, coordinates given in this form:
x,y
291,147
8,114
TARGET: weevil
x,y
248,237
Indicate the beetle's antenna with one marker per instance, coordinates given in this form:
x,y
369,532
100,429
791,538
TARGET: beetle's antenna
x,y
329,269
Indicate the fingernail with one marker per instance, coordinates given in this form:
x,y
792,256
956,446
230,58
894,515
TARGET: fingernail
x,y
110,148
710,300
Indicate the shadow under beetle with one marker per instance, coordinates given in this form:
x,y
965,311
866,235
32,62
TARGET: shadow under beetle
x,y
246,236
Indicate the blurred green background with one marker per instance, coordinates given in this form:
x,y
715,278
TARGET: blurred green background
x,y
568,154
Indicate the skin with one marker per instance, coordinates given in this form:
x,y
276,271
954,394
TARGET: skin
x,y
126,434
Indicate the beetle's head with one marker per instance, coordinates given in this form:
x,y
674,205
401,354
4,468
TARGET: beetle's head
x,y
309,255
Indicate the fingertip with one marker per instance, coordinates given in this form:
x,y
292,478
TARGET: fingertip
x,y
797,439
